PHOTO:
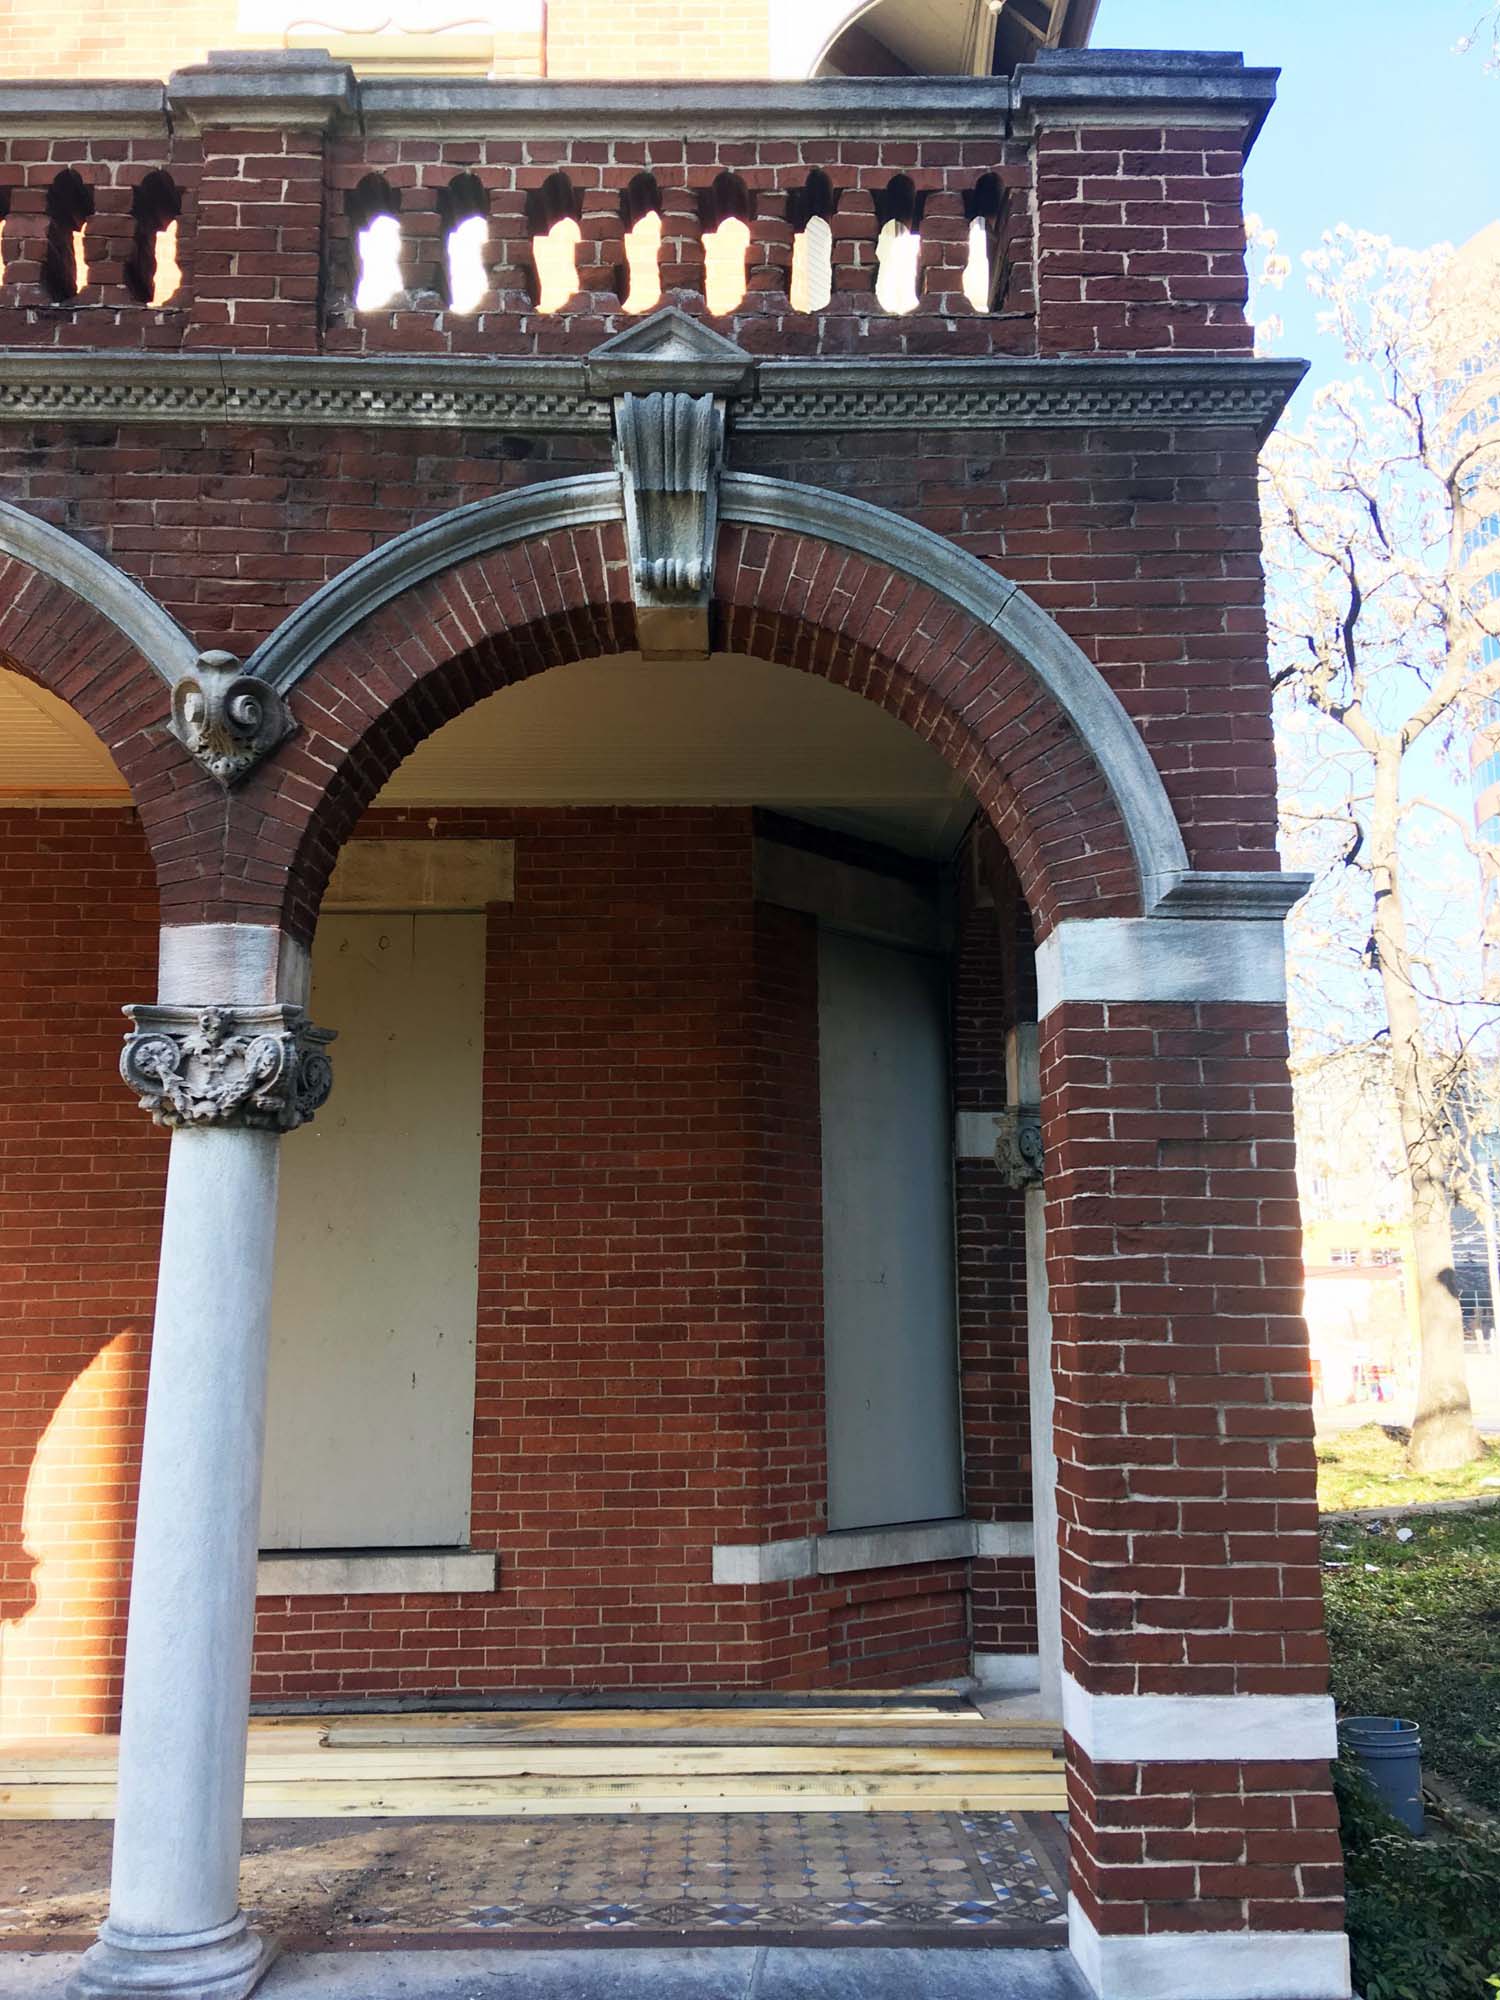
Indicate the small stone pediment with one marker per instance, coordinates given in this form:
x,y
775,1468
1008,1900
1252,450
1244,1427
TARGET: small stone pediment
x,y
669,350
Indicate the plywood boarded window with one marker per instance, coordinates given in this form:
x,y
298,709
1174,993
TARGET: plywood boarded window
x,y
890,1316
369,1440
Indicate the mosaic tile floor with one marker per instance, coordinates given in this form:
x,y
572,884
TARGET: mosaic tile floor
x,y
886,1877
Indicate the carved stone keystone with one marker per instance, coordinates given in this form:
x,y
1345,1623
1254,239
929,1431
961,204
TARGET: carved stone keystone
x,y
262,1067
670,451
1018,1148
227,719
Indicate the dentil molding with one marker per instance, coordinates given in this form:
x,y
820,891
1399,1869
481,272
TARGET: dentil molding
x,y
265,1068
545,397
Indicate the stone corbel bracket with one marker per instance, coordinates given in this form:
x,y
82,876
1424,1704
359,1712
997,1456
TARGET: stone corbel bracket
x,y
265,1068
226,719
668,379
669,447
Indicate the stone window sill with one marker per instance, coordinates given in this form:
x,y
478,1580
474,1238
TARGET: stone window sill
x,y
374,1572
852,1549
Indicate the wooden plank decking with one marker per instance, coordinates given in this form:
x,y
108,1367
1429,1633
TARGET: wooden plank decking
x,y
566,1761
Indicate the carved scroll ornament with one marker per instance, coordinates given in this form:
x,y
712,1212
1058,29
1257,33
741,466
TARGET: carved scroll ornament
x,y
229,720
1018,1148
262,1067
671,447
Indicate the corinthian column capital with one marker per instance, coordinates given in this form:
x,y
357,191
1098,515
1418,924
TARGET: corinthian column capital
x,y
266,1068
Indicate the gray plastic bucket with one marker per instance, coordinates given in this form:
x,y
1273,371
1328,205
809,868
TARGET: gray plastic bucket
x,y
1389,1751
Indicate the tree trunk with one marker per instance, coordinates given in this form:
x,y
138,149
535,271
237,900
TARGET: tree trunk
x,y
1491,1243
1442,1434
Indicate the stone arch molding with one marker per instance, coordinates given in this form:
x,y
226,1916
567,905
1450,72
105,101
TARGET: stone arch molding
x,y
1057,664
133,612
222,716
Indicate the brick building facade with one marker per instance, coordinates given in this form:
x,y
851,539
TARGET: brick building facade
x,y
956,499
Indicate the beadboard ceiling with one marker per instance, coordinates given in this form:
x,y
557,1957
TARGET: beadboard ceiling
x,y
619,731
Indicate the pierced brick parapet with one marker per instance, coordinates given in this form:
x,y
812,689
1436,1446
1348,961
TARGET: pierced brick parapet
x,y
1138,225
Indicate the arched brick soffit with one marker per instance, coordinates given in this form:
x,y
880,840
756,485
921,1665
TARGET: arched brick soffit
x,y
1058,666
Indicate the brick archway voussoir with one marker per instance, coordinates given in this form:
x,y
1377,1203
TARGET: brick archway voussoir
x,y
426,625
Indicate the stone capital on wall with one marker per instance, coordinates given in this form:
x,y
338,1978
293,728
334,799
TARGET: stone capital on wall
x,y
262,1068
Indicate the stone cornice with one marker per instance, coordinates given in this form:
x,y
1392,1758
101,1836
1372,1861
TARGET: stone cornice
x,y
546,397
1003,392
213,388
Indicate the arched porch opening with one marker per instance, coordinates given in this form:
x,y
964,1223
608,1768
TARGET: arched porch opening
x,y
80,1197
616,887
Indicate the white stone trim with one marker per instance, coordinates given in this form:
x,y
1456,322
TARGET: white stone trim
x,y
1008,1673
1198,1728
231,965
1004,1538
1126,959
1210,1965
850,1549
375,1572
976,1134
765,1562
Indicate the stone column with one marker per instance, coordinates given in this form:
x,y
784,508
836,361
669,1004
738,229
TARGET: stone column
x,y
228,1080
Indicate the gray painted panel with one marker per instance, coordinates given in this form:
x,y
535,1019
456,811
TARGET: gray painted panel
x,y
369,1437
888,1280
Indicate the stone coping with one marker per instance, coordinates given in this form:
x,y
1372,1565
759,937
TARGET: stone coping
x,y
245,89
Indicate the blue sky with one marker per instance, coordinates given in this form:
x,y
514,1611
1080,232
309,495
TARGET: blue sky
x,y
1377,123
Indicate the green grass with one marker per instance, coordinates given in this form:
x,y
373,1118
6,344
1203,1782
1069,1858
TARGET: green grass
x,y
1414,1630
1367,1468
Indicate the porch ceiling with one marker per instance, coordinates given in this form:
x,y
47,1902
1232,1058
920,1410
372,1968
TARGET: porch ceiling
x,y
620,731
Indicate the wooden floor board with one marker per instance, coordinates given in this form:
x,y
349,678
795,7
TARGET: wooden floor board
x,y
589,1761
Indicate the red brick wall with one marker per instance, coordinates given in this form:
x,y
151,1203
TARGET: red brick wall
x,y
1205,1847
1140,240
81,1178
1144,546
1186,1475
1186,1472
650,1323
991,1250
